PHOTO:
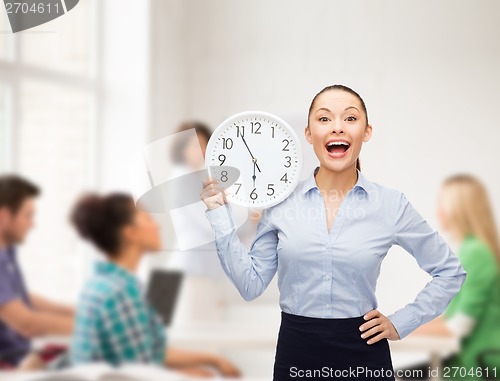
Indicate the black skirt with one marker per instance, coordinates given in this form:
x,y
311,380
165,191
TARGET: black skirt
x,y
329,349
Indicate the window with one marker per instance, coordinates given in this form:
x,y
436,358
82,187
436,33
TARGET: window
x,y
48,100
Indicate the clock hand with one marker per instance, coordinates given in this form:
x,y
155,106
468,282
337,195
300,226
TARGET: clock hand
x,y
254,177
255,161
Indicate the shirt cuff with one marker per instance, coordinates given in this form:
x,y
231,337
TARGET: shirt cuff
x,y
404,322
221,219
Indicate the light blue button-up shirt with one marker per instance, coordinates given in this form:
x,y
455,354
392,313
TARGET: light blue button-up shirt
x,y
333,274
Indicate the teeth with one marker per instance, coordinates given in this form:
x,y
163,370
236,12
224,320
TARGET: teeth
x,y
337,143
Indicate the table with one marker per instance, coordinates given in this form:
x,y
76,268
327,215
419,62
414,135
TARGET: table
x,y
237,336
233,336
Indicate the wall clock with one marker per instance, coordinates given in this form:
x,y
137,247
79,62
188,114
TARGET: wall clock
x,y
265,150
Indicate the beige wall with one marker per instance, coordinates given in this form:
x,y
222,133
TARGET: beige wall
x,y
428,73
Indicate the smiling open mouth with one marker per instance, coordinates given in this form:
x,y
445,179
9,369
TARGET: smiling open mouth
x,y
337,147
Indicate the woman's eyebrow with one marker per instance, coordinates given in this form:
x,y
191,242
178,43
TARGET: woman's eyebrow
x,y
351,107
324,108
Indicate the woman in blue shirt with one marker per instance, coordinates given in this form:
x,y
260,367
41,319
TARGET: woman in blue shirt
x,y
327,241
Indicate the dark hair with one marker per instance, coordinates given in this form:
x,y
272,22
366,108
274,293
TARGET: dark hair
x,y
180,144
348,90
100,219
14,190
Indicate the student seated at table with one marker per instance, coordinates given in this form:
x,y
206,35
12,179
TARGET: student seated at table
x,y
23,314
114,321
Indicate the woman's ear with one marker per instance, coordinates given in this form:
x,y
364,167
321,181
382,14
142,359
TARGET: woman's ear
x,y
307,133
128,233
5,216
3,213
368,133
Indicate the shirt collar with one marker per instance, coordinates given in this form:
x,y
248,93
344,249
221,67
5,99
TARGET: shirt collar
x,y
310,182
110,268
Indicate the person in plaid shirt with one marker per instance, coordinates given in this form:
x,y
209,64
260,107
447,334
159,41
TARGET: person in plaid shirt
x,y
114,321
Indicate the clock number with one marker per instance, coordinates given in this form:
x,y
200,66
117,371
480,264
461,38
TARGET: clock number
x,y
289,161
272,135
270,188
238,133
227,143
253,195
223,176
255,124
285,148
239,186
222,158
284,178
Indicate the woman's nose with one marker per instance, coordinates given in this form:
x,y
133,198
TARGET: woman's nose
x,y
337,127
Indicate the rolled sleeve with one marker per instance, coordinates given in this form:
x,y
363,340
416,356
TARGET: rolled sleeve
x,y
250,271
413,233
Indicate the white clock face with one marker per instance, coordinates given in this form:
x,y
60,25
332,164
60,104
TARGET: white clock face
x,y
267,153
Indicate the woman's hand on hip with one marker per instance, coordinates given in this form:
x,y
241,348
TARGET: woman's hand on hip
x,y
212,195
379,325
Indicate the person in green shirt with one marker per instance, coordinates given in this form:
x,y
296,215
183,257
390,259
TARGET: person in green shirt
x,y
473,315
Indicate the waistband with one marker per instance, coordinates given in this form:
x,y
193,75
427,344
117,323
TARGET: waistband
x,y
315,324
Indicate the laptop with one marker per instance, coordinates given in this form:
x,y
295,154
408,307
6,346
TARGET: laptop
x,y
163,291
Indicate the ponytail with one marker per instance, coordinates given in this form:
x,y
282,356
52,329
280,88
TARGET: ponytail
x,y
358,164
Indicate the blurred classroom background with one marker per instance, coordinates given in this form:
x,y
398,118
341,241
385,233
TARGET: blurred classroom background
x,y
81,94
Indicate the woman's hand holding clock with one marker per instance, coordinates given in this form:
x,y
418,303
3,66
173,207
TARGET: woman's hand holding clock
x,y
212,195
379,324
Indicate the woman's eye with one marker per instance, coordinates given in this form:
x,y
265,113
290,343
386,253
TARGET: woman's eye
x,y
351,118
323,119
